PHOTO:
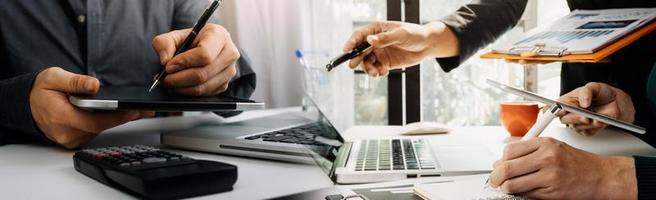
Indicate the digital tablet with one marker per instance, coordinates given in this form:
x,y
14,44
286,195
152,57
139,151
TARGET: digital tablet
x,y
568,108
139,99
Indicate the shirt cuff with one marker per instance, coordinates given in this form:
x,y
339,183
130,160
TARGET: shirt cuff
x,y
646,176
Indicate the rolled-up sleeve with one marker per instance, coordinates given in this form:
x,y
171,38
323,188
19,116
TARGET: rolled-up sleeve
x,y
478,24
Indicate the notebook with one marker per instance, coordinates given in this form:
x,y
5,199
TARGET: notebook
x,y
466,187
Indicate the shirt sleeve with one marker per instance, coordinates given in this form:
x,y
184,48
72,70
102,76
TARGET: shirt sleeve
x,y
478,24
16,122
646,174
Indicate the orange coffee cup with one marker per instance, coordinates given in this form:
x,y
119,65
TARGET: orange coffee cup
x,y
518,117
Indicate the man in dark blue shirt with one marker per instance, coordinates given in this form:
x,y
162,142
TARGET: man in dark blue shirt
x,y
52,49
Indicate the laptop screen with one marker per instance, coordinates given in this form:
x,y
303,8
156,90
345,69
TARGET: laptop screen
x,y
328,140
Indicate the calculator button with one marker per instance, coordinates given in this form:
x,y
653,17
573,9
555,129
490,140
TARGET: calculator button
x,y
101,155
154,160
174,158
135,163
125,164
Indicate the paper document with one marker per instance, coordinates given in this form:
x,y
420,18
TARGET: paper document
x,y
581,32
462,188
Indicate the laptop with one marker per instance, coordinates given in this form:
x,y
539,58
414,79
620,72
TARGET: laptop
x,y
308,137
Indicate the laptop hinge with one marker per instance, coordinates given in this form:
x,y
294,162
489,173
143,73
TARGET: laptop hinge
x,y
342,154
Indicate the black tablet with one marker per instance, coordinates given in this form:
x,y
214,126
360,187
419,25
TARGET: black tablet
x,y
139,99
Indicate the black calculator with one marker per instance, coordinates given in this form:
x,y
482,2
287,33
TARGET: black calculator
x,y
151,173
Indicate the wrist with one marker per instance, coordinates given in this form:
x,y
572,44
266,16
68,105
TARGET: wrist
x,y
619,180
443,42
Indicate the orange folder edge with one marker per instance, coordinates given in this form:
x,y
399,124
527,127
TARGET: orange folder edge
x,y
583,58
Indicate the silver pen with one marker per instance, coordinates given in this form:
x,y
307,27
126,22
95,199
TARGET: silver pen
x,y
541,123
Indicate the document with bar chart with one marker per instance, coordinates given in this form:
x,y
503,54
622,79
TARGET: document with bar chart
x,y
581,32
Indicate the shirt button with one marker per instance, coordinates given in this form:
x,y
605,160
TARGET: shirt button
x,y
81,18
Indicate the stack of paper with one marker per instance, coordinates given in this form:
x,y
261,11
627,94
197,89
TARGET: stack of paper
x,y
468,187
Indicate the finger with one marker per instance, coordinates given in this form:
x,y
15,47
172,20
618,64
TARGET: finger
x,y
585,95
385,39
383,61
510,169
520,148
609,110
196,76
96,122
526,183
601,93
148,114
368,65
212,42
214,86
61,80
593,125
574,119
356,61
360,36
166,44
190,77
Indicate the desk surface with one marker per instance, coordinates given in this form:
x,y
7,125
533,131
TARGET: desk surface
x,y
45,172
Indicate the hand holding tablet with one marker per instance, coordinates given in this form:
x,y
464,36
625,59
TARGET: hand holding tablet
x,y
569,108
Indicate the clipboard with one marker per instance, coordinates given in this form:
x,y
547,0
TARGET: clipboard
x,y
557,54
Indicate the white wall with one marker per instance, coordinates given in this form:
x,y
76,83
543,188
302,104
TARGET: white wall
x,y
270,31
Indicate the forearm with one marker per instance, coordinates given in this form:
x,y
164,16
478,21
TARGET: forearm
x,y
620,181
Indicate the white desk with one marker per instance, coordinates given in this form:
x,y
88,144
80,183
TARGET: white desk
x,y
44,172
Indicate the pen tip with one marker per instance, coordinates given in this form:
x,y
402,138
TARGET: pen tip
x,y
329,67
153,86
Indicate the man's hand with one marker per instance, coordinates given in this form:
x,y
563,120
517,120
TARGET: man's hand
x,y
62,122
545,168
600,98
397,45
206,68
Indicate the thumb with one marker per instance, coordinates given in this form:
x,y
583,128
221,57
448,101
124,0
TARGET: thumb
x,y
386,39
166,44
61,80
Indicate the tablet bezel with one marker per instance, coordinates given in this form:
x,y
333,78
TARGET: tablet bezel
x,y
176,104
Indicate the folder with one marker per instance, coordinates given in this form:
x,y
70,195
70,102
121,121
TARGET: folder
x,y
555,54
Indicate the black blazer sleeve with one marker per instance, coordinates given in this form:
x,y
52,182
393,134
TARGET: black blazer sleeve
x,y
16,122
478,24
646,174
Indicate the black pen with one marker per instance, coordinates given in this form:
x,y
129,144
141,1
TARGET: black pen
x,y
348,56
190,39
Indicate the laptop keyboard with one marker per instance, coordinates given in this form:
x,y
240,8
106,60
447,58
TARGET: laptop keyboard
x,y
394,154
305,134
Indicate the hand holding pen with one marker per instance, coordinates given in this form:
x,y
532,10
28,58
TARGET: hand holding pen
x,y
545,168
395,45
541,123
199,61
